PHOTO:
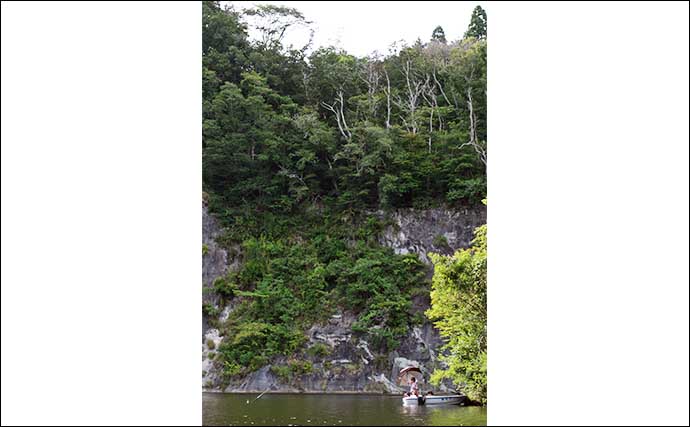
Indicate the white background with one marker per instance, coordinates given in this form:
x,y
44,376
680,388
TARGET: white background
x,y
588,213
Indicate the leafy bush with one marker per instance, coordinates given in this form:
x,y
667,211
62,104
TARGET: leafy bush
x,y
252,344
210,310
299,368
230,369
319,350
441,242
470,190
282,372
225,286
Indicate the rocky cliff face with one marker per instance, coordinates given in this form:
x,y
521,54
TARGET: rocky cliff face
x,y
214,259
436,230
346,363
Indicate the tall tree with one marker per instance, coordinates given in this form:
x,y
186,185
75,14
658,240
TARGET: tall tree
x,y
224,42
438,35
477,27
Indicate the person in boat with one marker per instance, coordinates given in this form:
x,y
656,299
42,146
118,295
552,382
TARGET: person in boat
x,y
414,388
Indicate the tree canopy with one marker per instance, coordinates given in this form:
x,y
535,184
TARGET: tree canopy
x,y
477,28
283,128
439,35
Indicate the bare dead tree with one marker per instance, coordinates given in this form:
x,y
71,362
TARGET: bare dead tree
x,y
342,113
429,95
440,87
474,141
387,91
371,76
414,91
338,109
305,81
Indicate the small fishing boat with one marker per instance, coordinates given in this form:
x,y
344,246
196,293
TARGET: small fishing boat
x,y
406,374
432,399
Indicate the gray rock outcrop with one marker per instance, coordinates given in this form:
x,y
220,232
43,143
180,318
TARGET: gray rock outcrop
x,y
345,362
439,230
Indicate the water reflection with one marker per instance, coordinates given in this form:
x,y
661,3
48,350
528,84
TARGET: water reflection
x,y
311,410
414,413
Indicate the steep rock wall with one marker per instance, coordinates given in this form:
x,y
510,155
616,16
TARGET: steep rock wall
x,y
439,230
350,366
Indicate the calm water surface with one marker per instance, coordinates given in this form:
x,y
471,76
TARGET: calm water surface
x,y
330,410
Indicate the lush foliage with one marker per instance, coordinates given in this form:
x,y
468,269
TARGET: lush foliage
x,y
477,28
458,310
282,127
292,279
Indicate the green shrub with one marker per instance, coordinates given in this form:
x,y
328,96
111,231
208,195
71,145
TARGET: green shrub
x,y
440,241
225,286
252,344
299,367
210,344
319,350
469,190
210,310
204,249
230,369
282,372
397,190
370,229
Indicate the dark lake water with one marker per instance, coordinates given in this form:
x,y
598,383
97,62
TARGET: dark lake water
x,y
331,410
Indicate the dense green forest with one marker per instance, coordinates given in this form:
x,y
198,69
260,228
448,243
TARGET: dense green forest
x,y
301,144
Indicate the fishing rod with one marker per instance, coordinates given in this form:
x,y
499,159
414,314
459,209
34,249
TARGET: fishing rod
x,y
258,397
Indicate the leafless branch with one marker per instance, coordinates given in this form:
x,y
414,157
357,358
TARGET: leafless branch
x,y
474,142
338,109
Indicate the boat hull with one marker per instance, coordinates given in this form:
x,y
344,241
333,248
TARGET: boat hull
x,y
433,400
